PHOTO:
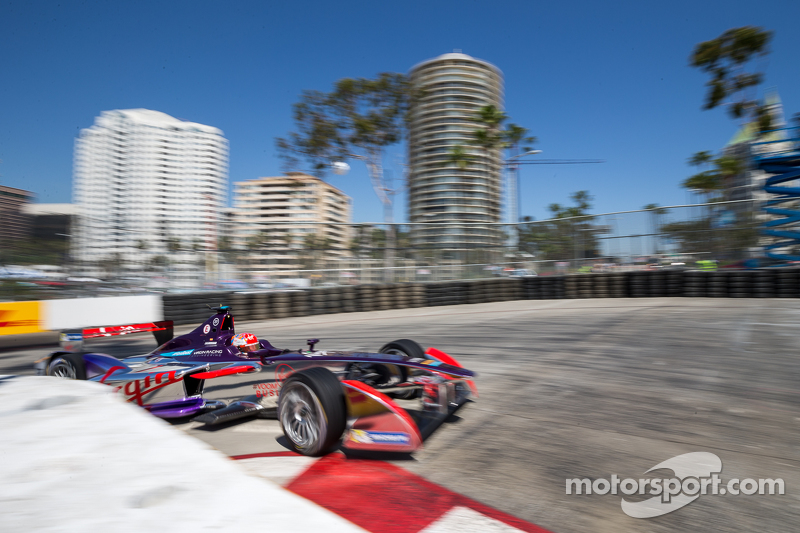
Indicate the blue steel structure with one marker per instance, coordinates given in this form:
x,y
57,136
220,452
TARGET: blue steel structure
x,y
781,159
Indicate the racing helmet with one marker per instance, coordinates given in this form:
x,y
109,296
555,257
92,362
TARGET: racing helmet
x,y
246,342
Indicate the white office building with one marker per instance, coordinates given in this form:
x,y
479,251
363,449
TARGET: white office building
x,y
148,184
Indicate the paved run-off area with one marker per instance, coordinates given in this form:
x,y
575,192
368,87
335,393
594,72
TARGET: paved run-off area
x,y
582,388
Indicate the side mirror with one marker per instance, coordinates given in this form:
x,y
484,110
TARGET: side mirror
x,y
311,343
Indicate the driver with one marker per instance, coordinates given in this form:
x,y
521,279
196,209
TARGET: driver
x,y
246,342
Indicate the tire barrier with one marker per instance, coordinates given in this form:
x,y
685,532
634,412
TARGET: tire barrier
x,y
718,284
192,308
740,284
787,283
764,283
618,285
601,286
448,293
695,282
674,282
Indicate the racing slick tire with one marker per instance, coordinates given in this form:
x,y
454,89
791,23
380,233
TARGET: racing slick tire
x,y
406,347
67,366
312,411
411,350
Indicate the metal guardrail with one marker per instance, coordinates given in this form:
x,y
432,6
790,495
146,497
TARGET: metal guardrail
x,y
623,240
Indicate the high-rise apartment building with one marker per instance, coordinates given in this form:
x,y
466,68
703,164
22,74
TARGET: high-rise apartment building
x,y
148,184
282,219
455,87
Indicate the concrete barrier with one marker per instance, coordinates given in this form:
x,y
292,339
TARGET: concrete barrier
x,y
192,308
87,312
72,443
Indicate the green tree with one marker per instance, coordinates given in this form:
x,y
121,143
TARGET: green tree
x,y
655,212
729,59
569,233
489,135
715,178
358,120
458,157
517,139
173,244
257,241
158,262
314,247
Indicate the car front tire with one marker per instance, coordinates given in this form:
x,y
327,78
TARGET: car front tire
x,y
312,411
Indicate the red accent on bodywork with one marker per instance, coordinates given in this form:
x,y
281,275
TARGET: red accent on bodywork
x,y
133,389
110,331
448,360
443,357
396,409
111,371
223,372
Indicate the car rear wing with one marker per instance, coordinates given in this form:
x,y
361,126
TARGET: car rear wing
x,y
72,339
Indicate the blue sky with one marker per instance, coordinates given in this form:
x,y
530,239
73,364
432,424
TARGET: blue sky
x,y
605,80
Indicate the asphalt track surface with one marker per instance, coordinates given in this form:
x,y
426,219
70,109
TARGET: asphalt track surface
x,y
580,388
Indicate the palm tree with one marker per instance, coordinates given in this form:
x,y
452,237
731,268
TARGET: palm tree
x,y
459,157
706,181
489,136
701,158
517,135
655,215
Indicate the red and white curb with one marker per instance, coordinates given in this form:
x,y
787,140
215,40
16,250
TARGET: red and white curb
x,y
380,496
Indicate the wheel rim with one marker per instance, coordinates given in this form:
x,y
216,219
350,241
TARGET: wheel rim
x,y
302,417
62,368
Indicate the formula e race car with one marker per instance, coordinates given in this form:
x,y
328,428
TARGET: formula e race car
x,y
319,397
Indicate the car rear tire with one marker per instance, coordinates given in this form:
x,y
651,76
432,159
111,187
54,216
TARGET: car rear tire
x,y
406,347
312,411
67,366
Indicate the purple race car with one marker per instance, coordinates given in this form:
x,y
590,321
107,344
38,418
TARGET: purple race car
x,y
319,397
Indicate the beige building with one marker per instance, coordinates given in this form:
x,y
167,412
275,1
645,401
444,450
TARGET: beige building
x,y
288,223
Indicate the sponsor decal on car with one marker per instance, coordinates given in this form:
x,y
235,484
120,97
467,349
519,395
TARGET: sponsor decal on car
x,y
177,354
207,353
216,322
211,343
264,390
136,389
379,437
206,328
431,362
282,372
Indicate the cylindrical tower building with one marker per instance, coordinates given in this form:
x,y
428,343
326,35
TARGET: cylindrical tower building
x,y
444,192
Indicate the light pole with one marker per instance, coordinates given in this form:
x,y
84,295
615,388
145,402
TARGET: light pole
x,y
513,196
